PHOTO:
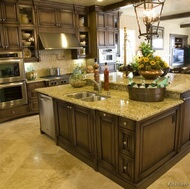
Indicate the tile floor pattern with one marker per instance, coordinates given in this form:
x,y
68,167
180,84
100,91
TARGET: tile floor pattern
x,y
30,160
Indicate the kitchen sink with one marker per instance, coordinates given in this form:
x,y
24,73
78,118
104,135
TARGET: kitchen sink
x,y
94,98
80,95
87,96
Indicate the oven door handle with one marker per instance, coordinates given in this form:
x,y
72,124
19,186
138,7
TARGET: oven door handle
x,y
11,84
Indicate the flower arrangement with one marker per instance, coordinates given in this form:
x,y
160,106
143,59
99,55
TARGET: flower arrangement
x,y
148,61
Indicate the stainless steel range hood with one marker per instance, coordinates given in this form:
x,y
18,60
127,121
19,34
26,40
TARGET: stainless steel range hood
x,y
59,41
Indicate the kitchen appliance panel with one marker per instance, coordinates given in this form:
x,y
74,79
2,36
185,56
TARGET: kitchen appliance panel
x,y
11,67
107,55
13,94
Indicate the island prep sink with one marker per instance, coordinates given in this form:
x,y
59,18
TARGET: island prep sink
x,y
94,98
80,95
87,96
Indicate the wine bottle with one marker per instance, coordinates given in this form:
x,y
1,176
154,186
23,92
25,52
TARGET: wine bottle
x,y
164,83
154,84
130,80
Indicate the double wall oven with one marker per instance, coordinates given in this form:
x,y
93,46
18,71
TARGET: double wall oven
x,y
12,80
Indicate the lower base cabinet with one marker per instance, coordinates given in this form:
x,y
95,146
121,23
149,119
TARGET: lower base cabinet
x,y
107,140
14,112
75,130
131,153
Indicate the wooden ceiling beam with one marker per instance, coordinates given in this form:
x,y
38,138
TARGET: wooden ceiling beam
x,y
185,25
175,16
116,6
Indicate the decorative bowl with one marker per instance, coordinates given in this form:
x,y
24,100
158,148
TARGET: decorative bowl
x,y
27,43
146,94
26,35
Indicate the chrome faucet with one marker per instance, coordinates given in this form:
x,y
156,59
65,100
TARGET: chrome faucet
x,y
98,85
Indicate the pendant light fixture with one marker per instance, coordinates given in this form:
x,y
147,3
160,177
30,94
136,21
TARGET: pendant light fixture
x,y
148,12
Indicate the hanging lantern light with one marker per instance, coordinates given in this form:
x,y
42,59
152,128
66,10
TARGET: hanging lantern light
x,y
148,12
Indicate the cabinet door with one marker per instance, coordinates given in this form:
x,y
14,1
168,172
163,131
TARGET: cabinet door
x,y
109,22
110,38
65,121
162,132
32,95
101,38
66,18
47,17
107,140
83,131
185,128
8,12
10,38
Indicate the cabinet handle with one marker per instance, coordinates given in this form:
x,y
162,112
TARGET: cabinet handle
x,y
184,99
68,106
124,123
3,19
125,167
104,115
125,142
13,112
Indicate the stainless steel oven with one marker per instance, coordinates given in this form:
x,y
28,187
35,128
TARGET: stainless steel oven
x,y
12,94
11,67
12,80
107,55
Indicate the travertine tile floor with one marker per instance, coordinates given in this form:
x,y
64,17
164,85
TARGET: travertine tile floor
x,y
30,160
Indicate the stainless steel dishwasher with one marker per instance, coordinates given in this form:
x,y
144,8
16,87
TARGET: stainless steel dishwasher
x,y
46,116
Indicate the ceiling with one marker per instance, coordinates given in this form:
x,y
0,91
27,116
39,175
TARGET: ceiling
x,y
171,7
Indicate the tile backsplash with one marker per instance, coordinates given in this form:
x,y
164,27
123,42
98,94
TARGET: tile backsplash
x,y
56,58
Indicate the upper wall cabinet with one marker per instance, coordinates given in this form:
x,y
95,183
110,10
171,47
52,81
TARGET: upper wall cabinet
x,y
9,26
27,14
103,30
8,12
56,17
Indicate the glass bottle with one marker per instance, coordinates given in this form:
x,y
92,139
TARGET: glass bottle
x,y
106,78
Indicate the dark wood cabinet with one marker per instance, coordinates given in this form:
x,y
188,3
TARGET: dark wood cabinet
x,y
103,30
107,141
32,95
9,37
9,28
14,112
75,130
56,17
185,125
8,12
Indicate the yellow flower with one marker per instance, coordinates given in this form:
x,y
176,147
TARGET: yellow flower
x,y
152,62
146,59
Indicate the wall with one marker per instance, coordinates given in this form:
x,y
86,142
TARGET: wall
x,y
170,27
56,58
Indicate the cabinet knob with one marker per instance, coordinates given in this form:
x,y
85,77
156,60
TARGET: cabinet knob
x,y
125,167
3,19
124,123
104,115
124,142
13,112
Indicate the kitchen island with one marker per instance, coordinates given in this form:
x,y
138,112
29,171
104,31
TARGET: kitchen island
x,y
131,142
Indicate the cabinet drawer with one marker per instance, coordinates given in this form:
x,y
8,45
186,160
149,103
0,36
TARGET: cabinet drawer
x,y
36,85
126,142
14,112
127,123
126,168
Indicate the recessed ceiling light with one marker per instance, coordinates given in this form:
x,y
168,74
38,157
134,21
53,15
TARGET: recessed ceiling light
x,y
99,0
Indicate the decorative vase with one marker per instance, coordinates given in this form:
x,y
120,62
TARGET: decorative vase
x,y
150,74
77,79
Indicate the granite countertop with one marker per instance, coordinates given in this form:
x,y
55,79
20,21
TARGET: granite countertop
x,y
118,104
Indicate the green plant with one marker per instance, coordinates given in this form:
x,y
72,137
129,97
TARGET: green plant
x,y
148,61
